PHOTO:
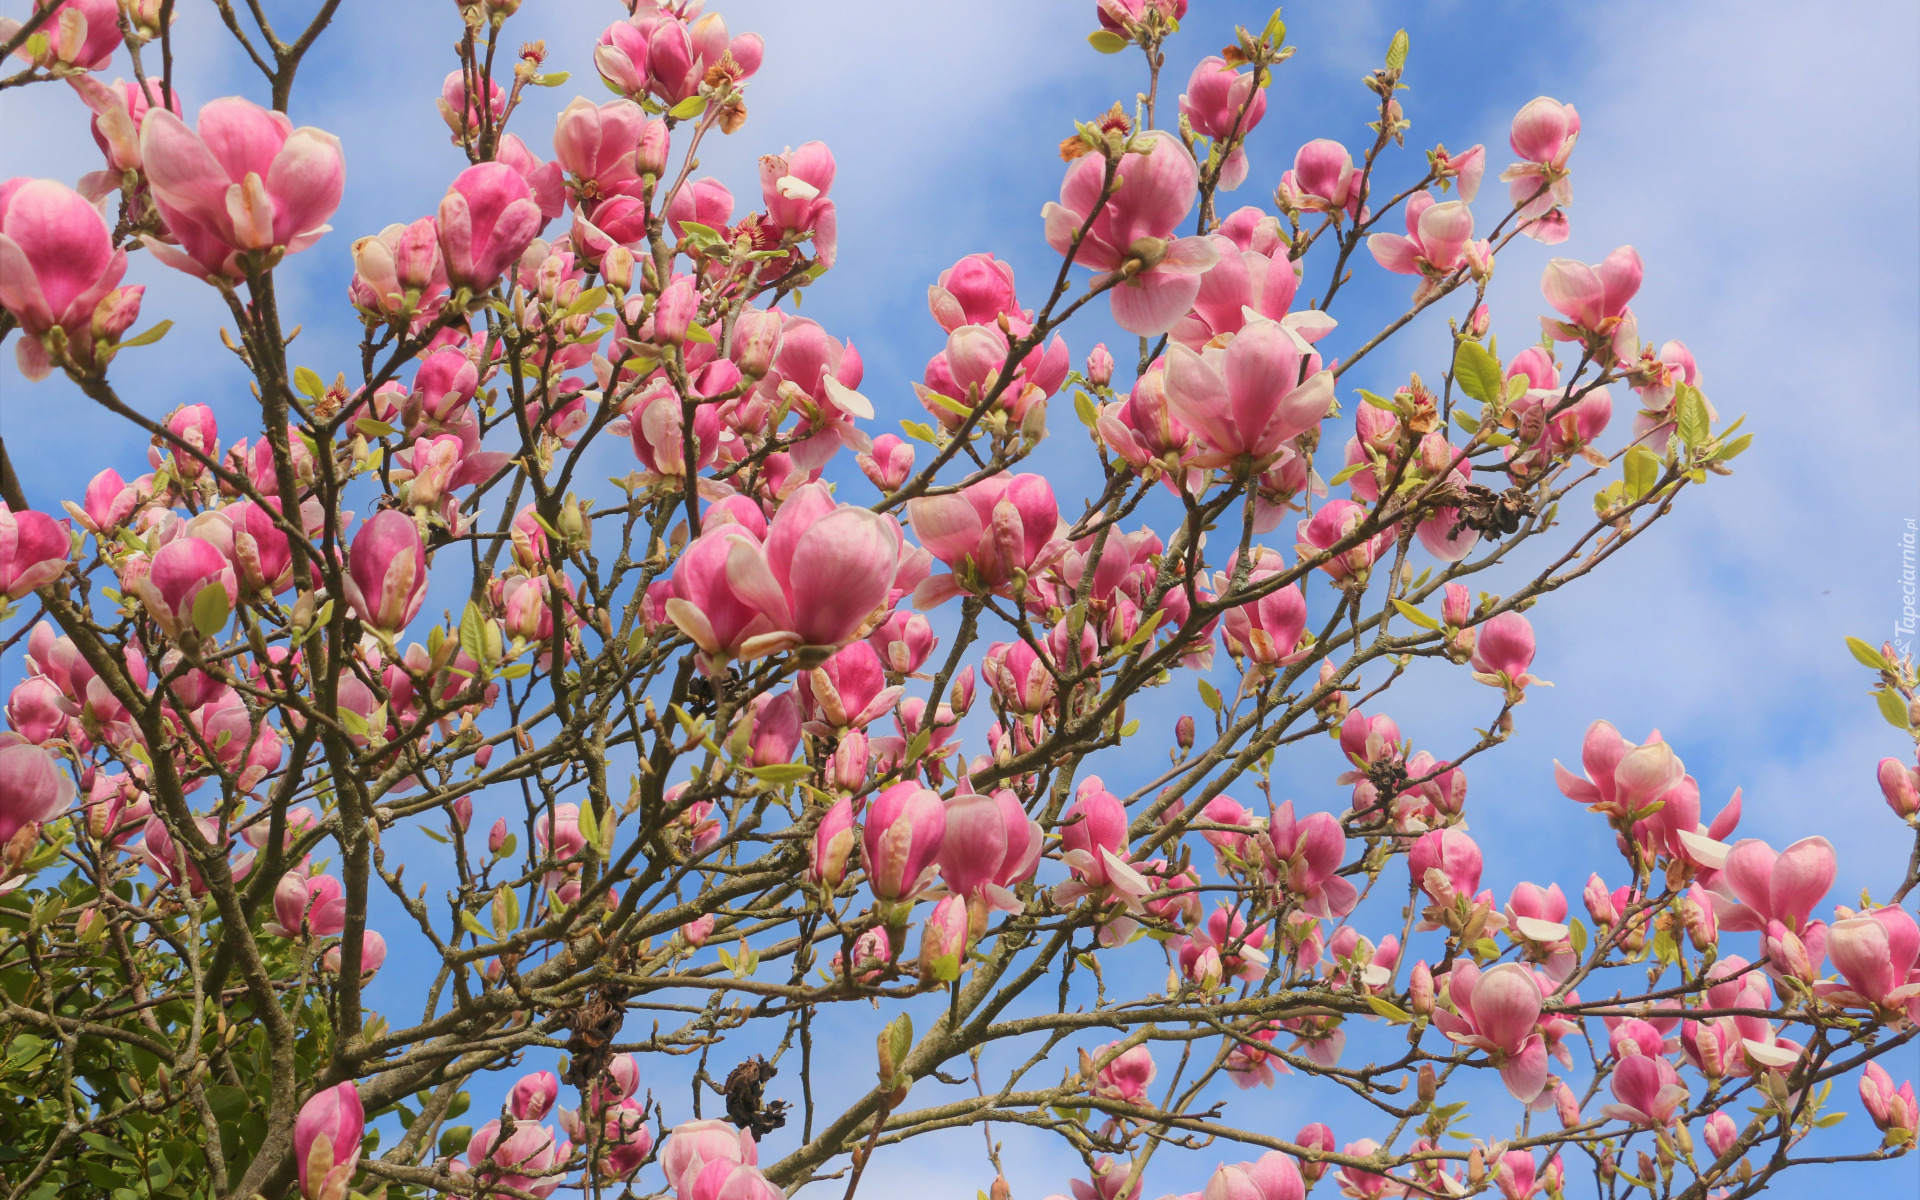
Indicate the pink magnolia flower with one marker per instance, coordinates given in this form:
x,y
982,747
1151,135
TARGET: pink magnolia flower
x,y
81,33
1503,650
1592,297
903,641
905,827
36,710
326,1141
1336,521
1305,859
794,186
1759,885
1438,241
1133,233
693,1145
1093,839
1248,400
729,1181
1890,1108
109,501
1267,630
487,219
1323,179
58,268
1499,1012
33,788
888,464
1454,855
181,570
1646,1090
1107,1182
1221,104
989,846
977,290
308,906
1361,1184
1900,784
33,551
1234,952
847,691
596,144
1127,1077
1543,134
1243,279
1875,952
247,187
532,1096
943,941
373,955
525,1159
387,572
986,534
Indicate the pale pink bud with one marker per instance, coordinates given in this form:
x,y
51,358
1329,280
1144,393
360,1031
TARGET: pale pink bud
x,y
1128,1076
1890,1108
1544,131
698,930
1420,992
497,836
1900,784
1721,1133
181,570
674,311
943,941
756,341
1316,1136
833,842
1456,605
1100,366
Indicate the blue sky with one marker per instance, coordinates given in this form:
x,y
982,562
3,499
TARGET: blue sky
x,y
1762,157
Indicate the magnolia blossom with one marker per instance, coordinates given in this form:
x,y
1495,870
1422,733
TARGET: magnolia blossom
x,y
59,269
326,1141
1222,104
1499,1011
241,189
1131,236
986,533
1248,400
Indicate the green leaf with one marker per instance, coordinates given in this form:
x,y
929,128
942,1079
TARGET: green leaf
x,y
697,232
1893,708
1348,472
368,427
1516,388
1107,42
692,106
1377,401
1397,51
1733,449
1083,408
211,609
1866,655
1392,1013
149,337
1210,695
1577,936
553,78
1691,416
473,632
589,824
587,301
454,1139
472,924
1478,372
308,381
782,774
1415,615
351,721
1642,471
919,432
436,835
697,332
1466,421
1276,30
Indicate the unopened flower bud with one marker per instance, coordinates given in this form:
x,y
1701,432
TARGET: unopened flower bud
x,y
1100,366
497,836
1183,731
1478,322
1429,1084
1420,989
650,156
462,811
616,266
1900,784
673,312
117,311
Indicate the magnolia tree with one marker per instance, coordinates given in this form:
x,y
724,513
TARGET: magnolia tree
x,y
684,781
